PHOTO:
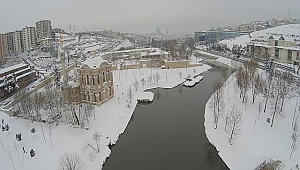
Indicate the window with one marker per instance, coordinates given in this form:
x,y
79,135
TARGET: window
x,y
82,80
103,74
87,80
290,54
276,42
297,57
95,97
276,52
99,96
98,79
93,80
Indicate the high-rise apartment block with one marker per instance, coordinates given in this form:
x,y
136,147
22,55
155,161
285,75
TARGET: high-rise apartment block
x,y
9,43
29,38
18,41
26,39
43,30
2,47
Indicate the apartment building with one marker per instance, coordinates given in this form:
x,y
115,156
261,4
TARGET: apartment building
x,y
18,41
43,30
2,48
9,43
29,38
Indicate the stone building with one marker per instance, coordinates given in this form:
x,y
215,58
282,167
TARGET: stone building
x,y
94,82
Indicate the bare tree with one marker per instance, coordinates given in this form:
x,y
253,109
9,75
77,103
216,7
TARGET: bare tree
x,y
25,107
256,86
286,88
180,74
217,102
267,87
70,162
242,79
37,98
129,96
150,79
136,85
224,73
234,123
143,81
96,138
294,137
157,77
275,96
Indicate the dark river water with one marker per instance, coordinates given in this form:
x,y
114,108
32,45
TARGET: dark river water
x,y
169,133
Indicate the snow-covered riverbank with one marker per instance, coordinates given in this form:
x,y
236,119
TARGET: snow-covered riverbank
x,y
256,141
110,120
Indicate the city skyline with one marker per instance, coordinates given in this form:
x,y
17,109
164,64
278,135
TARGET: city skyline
x,y
141,17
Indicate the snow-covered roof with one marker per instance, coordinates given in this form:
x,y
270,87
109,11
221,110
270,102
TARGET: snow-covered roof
x,y
94,62
280,47
12,68
154,52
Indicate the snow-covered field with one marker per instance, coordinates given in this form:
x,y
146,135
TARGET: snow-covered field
x,y
110,120
257,141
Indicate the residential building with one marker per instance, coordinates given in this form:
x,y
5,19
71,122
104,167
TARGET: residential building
x,y
29,38
279,50
9,43
18,41
43,30
2,48
14,78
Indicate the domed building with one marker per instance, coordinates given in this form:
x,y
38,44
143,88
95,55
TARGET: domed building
x,y
94,82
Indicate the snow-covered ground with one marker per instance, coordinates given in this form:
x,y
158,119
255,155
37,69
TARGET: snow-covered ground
x,y
257,141
110,120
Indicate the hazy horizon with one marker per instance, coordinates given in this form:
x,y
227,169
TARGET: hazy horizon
x,y
137,16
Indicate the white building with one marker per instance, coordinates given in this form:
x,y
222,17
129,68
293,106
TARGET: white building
x,y
29,38
279,50
18,41
43,30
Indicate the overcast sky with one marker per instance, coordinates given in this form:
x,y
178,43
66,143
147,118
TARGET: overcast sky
x,y
140,16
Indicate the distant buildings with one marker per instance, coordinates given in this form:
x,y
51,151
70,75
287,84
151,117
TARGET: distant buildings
x,y
28,38
225,32
44,33
2,48
214,36
43,30
18,41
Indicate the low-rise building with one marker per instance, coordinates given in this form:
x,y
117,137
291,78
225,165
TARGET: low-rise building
x,y
15,78
279,50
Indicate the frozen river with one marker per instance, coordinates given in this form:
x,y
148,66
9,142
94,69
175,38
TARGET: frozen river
x,y
169,133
